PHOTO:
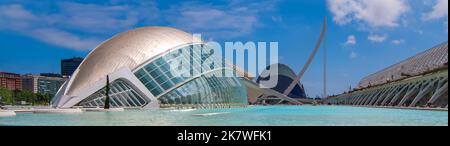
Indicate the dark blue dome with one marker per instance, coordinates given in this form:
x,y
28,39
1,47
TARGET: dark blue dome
x,y
285,77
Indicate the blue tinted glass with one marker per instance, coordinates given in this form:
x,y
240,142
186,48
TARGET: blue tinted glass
x,y
114,102
169,74
176,54
139,99
165,68
121,84
148,86
134,99
140,73
177,80
161,79
145,79
155,73
160,61
156,91
150,67
151,85
131,102
167,85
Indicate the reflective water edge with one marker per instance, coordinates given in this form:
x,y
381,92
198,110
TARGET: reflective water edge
x,y
250,116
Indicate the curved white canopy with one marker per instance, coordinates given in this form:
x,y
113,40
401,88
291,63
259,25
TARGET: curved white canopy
x,y
129,49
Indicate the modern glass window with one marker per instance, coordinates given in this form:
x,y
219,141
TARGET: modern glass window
x,y
178,78
162,73
209,90
121,95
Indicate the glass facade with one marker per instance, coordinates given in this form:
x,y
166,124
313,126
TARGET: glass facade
x,y
208,90
121,95
178,79
49,85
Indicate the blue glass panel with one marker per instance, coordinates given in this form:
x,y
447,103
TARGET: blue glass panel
x,y
167,85
159,61
145,79
155,73
161,79
140,73
207,89
165,68
156,91
150,67
177,80
151,85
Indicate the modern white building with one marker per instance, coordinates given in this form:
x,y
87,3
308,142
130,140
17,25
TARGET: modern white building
x,y
139,64
419,81
430,59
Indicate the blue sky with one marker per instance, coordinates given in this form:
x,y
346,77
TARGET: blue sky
x,y
364,36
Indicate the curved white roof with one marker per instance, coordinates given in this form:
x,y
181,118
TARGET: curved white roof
x,y
129,49
428,60
282,70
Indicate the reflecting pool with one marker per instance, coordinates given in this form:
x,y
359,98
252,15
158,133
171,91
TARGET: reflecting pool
x,y
250,116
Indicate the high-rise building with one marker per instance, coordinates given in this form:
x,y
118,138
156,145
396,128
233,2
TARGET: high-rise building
x,y
10,81
42,84
68,66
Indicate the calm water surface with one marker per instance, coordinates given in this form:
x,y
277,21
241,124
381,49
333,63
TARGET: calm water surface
x,y
251,116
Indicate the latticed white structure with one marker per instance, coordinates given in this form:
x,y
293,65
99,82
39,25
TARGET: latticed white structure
x,y
425,84
431,90
431,59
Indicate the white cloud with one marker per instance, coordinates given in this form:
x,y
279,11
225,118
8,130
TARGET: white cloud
x,y
216,21
68,25
376,13
351,40
104,18
353,55
277,19
64,39
16,12
419,32
74,21
377,38
235,19
15,17
440,10
398,42
18,19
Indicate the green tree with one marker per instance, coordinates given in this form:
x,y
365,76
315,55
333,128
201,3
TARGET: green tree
x,y
6,96
12,97
27,96
42,99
